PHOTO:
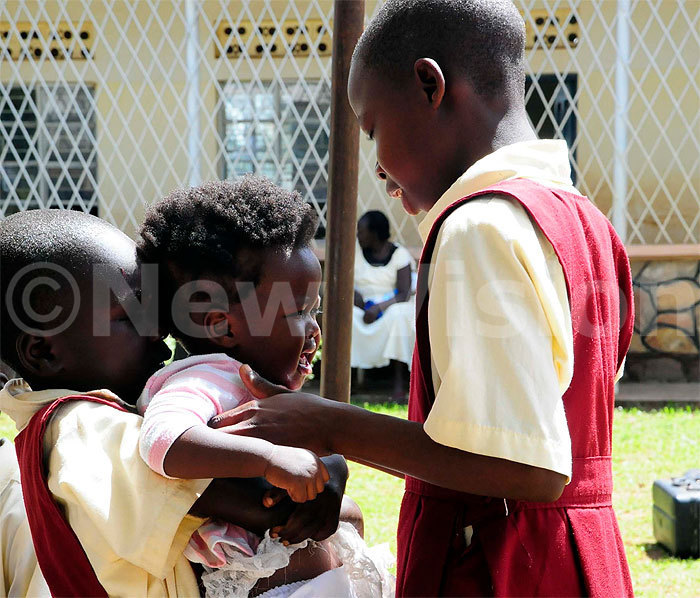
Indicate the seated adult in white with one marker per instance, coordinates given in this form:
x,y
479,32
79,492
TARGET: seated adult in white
x,y
383,328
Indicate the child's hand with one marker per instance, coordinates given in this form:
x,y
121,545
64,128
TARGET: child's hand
x,y
301,473
315,519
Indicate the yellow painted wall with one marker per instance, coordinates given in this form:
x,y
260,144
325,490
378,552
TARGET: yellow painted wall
x,y
138,165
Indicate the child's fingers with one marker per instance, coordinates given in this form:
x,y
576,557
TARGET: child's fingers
x,y
324,473
273,497
310,490
299,528
320,484
299,493
257,385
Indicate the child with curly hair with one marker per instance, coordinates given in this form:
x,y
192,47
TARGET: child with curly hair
x,y
239,283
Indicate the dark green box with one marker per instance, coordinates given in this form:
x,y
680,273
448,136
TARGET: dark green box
x,y
677,514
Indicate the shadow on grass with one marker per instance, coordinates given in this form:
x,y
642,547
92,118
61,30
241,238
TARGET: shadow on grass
x,y
656,552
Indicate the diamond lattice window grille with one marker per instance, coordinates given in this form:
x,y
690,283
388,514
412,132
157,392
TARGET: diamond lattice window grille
x,y
143,104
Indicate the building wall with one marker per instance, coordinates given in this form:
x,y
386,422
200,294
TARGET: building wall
x,y
140,87
666,342
141,162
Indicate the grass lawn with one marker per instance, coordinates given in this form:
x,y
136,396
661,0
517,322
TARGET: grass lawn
x,y
648,445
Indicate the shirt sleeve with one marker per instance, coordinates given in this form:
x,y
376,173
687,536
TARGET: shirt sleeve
x,y
188,398
501,338
402,258
126,516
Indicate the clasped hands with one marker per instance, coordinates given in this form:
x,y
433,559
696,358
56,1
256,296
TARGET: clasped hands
x,y
295,419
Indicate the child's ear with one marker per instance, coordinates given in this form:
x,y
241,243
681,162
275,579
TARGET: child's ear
x,y
38,356
218,327
431,79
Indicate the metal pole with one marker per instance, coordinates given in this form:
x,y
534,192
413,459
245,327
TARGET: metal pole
x,y
342,207
619,202
194,142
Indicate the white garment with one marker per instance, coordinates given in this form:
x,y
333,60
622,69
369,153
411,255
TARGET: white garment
x,y
364,574
393,335
331,584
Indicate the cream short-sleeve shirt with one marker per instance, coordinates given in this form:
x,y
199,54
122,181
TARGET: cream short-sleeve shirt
x,y
500,332
499,319
133,524
19,571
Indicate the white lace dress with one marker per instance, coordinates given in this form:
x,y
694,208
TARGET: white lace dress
x,y
364,574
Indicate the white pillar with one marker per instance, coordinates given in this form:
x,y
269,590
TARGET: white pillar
x,y
619,203
194,142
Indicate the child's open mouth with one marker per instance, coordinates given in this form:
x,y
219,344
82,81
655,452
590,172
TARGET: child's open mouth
x,y
304,366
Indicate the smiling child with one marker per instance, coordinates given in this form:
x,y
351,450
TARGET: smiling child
x,y
103,523
236,257
524,315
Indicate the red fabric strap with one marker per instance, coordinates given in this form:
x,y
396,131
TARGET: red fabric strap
x,y
591,486
61,557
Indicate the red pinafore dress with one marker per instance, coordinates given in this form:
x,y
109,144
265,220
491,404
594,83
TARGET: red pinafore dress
x,y
570,547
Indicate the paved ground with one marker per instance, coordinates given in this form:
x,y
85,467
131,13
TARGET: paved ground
x,y
643,393
658,392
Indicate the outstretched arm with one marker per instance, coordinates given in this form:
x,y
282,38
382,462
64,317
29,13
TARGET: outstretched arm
x,y
391,443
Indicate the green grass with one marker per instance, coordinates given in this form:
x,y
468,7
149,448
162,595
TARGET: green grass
x,y
7,427
648,445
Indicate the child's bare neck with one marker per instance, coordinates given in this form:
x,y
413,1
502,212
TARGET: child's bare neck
x,y
514,127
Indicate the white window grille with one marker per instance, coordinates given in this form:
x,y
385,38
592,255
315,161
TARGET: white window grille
x,y
141,92
48,155
276,129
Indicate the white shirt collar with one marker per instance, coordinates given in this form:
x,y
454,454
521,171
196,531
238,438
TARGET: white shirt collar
x,y
543,160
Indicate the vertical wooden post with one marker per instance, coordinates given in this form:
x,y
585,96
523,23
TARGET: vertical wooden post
x,y
342,207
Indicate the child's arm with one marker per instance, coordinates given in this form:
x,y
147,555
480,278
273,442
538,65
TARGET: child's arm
x,y
202,452
175,440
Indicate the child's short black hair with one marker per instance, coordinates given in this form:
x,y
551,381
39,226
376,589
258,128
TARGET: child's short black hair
x,y
66,241
377,223
486,38
219,230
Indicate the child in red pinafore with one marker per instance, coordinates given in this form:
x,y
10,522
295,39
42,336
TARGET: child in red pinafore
x,y
524,316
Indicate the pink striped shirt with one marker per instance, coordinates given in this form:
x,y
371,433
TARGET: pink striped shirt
x,y
184,394
177,397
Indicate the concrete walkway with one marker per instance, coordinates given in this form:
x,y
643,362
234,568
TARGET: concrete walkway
x,y
627,393
658,392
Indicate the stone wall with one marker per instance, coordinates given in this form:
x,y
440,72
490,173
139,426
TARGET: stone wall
x,y
666,343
